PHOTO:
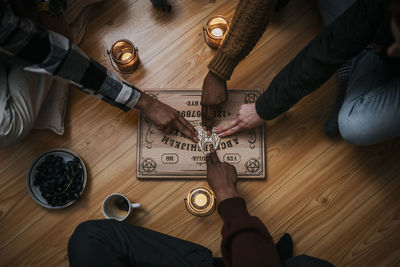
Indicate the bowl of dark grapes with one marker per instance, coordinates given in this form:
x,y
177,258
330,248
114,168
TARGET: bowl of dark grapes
x,y
57,179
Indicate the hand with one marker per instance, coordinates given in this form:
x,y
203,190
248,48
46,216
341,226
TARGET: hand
x,y
164,117
221,177
214,94
247,118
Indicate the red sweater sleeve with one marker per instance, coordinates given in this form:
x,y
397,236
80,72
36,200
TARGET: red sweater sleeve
x,y
245,239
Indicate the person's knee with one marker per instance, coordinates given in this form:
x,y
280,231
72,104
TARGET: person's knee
x,y
84,231
13,128
90,231
82,237
357,129
21,96
81,234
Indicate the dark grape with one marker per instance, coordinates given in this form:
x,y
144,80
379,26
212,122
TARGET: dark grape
x,y
79,188
59,182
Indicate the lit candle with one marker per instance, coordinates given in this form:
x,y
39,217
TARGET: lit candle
x,y
200,201
215,31
125,56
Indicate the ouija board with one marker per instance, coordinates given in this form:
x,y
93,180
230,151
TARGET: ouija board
x,y
172,156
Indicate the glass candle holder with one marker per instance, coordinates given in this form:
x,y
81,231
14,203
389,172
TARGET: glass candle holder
x,y
200,201
125,55
215,31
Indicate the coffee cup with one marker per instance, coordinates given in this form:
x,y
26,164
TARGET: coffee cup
x,y
118,206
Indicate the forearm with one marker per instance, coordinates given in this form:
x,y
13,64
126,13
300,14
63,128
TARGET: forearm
x,y
318,61
245,239
248,24
36,49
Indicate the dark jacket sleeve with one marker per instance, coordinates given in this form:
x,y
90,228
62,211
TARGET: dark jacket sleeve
x,y
337,43
245,239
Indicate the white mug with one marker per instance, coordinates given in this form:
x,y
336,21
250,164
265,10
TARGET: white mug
x,y
117,206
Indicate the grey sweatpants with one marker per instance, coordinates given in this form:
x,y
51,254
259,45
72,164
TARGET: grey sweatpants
x,y
21,96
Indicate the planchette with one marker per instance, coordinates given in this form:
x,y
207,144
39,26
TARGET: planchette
x,y
205,139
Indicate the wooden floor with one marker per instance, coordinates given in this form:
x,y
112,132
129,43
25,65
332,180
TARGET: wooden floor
x,y
338,201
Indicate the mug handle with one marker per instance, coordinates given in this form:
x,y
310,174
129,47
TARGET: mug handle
x,y
136,205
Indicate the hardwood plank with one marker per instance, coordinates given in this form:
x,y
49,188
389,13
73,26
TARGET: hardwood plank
x,y
338,201
96,153
109,23
189,55
370,235
297,123
298,131
318,199
44,243
150,30
82,110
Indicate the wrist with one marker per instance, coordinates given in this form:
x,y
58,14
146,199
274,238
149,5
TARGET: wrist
x,y
145,102
223,65
232,208
225,193
216,76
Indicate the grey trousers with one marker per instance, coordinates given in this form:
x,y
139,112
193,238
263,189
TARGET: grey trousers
x,y
21,96
370,113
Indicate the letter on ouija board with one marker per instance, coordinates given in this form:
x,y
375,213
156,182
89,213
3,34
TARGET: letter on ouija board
x,y
165,140
177,144
236,140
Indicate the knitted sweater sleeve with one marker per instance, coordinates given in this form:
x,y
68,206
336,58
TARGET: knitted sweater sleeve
x,y
248,24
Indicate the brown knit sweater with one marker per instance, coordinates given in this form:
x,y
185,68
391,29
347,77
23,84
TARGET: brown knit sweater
x,y
248,24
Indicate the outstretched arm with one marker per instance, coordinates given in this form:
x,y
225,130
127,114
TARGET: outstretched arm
x,y
337,43
248,24
245,239
36,49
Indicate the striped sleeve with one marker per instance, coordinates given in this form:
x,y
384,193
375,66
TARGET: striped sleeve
x,y
36,49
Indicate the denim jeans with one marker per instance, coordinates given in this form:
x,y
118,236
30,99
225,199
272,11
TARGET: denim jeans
x,y
370,113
